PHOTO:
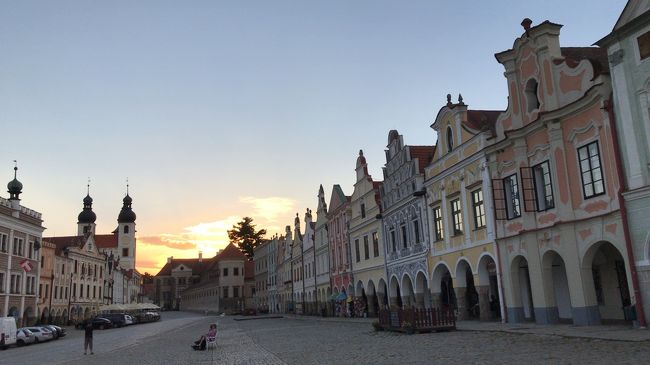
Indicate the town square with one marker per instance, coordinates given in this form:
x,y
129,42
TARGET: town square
x,y
217,182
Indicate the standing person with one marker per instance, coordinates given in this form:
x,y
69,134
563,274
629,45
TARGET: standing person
x,y
88,337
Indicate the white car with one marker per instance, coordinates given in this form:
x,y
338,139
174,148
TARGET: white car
x,y
41,333
24,337
128,320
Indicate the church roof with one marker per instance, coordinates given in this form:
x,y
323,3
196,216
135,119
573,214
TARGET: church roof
x,y
106,240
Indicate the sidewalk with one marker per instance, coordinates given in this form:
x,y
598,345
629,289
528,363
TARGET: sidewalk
x,y
602,332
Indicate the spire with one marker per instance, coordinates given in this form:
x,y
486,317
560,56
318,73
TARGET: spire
x,y
87,215
15,187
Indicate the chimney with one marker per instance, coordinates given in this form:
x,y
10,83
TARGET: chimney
x,y
200,256
169,259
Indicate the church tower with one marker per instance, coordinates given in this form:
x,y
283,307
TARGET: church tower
x,y
86,219
126,233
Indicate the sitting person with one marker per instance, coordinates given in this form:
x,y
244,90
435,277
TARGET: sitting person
x,y
201,343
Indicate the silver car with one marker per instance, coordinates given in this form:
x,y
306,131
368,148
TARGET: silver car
x,y
24,337
41,333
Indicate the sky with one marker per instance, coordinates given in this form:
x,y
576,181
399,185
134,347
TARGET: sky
x,y
216,110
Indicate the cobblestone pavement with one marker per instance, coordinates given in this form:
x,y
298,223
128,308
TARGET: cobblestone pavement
x,y
312,341
322,342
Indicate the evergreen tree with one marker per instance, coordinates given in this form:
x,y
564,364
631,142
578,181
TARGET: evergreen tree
x,y
244,236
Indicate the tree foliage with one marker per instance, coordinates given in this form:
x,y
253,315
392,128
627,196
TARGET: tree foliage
x,y
244,236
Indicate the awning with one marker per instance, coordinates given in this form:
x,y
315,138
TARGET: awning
x,y
342,296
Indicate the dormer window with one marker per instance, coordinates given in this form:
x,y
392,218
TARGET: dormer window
x,y
531,95
450,139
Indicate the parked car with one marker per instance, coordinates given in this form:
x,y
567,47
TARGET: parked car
x,y
41,333
24,337
128,320
56,330
7,332
118,319
98,323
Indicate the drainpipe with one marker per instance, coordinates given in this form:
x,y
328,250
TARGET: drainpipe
x,y
626,229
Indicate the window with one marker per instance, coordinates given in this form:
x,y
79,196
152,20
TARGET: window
x,y
543,188
590,169
366,249
66,293
393,240
81,291
644,45
531,95
3,242
437,223
30,250
479,209
126,229
404,236
235,292
18,246
235,271
450,139
225,273
375,244
356,250
2,282
225,292
363,210
416,230
457,216
511,189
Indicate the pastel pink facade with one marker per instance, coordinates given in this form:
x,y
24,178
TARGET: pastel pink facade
x,y
555,185
339,242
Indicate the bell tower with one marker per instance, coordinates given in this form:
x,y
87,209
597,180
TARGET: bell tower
x,y
126,233
86,219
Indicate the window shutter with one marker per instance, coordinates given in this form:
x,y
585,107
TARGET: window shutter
x,y
499,196
528,188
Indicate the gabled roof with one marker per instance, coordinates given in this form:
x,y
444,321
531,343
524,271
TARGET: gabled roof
x,y
423,154
596,55
482,120
196,266
231,252
633,9
106,240
65,241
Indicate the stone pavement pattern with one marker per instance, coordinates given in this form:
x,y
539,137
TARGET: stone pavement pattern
x,y
313,341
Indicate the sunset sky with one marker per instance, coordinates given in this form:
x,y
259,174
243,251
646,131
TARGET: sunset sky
x,y
216,110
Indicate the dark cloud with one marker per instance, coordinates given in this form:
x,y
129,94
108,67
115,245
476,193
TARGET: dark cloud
x,y
175,243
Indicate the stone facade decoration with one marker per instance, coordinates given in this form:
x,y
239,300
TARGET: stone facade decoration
x,y
628,49
404,222
338,220
367,242
555,185
21,230
463,261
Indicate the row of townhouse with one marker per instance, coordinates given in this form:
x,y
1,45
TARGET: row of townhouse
x,y
529,214
63,279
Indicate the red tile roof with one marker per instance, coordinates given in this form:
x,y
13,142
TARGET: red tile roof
x,y
482,120
231,252
196,266
423,154
596,55
106,240
65,241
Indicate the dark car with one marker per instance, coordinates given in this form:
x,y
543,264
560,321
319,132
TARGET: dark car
x,y
117,319
58,331
98,323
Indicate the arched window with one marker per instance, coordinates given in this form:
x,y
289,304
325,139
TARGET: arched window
x,y
450,139
532,99
126,229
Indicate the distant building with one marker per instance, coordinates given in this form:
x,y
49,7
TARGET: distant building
x,y
338,220
261,262
297,270
21,230
321,250
309,265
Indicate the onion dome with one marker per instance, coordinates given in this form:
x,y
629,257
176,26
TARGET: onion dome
x,y
127,215
14,187
87,215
